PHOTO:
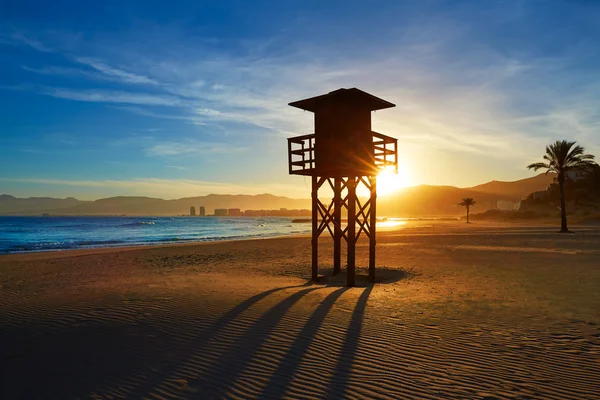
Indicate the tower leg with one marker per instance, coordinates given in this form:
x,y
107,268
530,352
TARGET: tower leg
x,y
337,228
351,272
315,233
372,227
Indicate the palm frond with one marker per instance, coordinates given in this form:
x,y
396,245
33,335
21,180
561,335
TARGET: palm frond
x,y
539,165
562,156
467,202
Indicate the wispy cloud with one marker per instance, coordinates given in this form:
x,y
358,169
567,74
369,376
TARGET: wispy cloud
x,y
192,147
21,37
111,96
477,116
153,114
179,167
97,73
463,81
117,73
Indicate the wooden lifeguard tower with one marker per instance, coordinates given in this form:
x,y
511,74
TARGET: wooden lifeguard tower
x,y
344,152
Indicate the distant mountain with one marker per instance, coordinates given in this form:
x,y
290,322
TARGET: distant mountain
x,y
414,201
428,200
518,189
130,205
11,204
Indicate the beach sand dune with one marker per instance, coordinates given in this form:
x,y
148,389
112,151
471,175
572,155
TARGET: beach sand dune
x,y
468,312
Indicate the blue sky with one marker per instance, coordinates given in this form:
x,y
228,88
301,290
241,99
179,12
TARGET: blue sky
x,y
175,99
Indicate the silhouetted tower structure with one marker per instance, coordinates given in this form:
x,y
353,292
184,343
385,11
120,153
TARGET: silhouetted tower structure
x,y
192,211
343,152
202,211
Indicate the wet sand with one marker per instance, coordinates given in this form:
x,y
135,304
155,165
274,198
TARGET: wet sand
x,y
478,311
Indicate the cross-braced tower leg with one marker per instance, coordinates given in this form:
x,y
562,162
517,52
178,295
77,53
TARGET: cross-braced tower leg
x,y
372,225
337,221
315,231
351,272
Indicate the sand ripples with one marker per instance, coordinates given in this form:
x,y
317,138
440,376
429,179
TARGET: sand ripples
x,y
294,342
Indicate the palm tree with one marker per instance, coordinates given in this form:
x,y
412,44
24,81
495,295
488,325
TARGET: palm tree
x,y
561,157
467,202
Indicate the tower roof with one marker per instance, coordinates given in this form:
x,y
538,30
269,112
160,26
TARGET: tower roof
x,y
352,95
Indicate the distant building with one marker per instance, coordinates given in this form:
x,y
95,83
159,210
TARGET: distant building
x,y
192,211
277,213
576,175
220,212
201,211
572,175
234,212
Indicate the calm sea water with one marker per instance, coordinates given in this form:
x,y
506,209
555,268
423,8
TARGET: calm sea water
x,y
24,234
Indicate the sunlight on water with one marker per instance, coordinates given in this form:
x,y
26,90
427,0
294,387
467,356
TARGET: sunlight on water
x,y
390,223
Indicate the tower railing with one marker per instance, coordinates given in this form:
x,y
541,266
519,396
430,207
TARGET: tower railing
x,y
385,149
301,153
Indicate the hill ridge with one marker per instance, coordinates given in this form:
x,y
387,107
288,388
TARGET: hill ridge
x,y
415,200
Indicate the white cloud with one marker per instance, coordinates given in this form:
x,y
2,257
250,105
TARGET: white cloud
x,y
192,147
120,74
112,96
29,41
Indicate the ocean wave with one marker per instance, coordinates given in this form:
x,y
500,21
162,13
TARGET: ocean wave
x,y
139,223
30,235
57,245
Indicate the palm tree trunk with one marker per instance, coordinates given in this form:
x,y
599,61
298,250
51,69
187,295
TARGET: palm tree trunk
x,y
563,206
467,214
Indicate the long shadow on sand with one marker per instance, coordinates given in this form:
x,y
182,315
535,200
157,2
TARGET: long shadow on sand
x,y
213,332
223,379
105,357
339,384
281,378
66,360
237,358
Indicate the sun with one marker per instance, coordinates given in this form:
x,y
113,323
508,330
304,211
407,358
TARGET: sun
x,y
389,182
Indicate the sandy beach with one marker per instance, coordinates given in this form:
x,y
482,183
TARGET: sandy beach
x,y
479,311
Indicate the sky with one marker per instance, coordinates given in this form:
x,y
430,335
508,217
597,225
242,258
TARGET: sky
x,y
179,99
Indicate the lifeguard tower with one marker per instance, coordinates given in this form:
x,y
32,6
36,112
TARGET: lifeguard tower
x,y
345,153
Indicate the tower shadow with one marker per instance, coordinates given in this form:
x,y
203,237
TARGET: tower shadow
x,y
384,276
225,371
210,334
339,382
280,379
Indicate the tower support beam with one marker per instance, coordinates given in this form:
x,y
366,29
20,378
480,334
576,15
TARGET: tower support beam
x,y
337,220
315,231
351,269
372,227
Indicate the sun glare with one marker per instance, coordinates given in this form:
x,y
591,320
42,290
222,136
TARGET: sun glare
x,y
389,182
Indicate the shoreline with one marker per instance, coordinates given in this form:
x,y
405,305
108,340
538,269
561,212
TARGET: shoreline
x,y
150,246
409,227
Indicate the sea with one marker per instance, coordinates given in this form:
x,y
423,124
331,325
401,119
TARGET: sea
x,y
31,234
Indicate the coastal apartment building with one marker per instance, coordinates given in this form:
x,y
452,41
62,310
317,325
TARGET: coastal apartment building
x,y
234,212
